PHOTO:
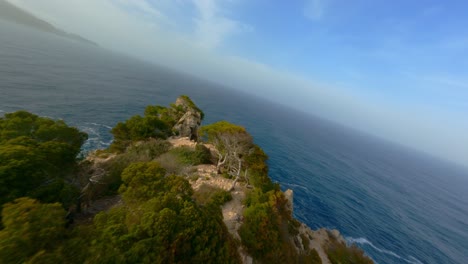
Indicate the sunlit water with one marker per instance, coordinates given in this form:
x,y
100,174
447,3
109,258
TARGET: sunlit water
x,y
398,205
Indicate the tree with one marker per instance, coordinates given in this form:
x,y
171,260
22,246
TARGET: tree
x,y
157,122
268,227
256,164
160,223
40,129
32,230
232,144
36,156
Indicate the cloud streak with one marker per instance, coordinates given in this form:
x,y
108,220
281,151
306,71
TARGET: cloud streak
x,y
194,51
211,27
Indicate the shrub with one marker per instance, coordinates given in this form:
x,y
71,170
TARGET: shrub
x,y
38,156
189,156
171,163
32,230
340,253
209,194
139,152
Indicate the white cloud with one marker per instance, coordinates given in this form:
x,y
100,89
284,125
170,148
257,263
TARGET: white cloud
x,y
314,9
143,6
114,27
212,28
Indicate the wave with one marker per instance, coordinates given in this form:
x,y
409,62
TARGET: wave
x,y
97,138
97,124
364,241
295,185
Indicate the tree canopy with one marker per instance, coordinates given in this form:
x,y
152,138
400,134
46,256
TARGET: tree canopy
x,y
157,122
232,143
161,223
36,156
32,230
160,218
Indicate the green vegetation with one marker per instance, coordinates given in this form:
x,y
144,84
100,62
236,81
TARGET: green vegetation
x,y
157,122
340,253
232,144
191,104
160,219
139,128
32,230
161,223
189,156
267,225
37,158
141,152
208,194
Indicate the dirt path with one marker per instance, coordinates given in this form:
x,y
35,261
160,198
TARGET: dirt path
x,y
182,141
232,211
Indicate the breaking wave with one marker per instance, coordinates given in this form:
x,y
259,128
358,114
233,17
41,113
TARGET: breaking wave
x,y
364,241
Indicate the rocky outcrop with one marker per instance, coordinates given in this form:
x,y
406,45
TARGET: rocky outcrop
x,y
289,195
188,124
317,240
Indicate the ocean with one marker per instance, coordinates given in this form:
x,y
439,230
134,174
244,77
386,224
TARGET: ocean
x,y
399,205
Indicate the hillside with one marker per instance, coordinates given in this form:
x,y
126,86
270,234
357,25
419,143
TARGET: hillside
x,y
12,13
167,190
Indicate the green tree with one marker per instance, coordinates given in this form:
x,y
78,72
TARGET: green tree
x,y
32,230
37,155
161,223
232,144
157,122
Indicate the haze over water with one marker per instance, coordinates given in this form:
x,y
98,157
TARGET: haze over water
x,y
398,205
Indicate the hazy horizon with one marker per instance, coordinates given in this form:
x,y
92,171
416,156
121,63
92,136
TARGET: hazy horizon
x,y
392,70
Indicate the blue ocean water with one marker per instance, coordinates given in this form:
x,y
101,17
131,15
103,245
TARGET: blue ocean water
x,y
397,204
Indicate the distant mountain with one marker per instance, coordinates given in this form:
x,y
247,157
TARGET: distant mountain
x,y
17,15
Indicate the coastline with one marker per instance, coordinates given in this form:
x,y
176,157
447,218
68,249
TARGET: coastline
x,y
232,211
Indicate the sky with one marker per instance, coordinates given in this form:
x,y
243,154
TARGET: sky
x,y
396,69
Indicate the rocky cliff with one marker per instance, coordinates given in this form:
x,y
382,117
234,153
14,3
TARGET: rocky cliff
x,y
189,123
255,204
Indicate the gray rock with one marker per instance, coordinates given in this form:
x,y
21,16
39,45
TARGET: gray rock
x,y
189,123
289,194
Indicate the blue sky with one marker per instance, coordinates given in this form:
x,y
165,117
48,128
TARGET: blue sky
x,y
396,69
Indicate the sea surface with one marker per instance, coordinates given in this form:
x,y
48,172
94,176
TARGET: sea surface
x,y
397,204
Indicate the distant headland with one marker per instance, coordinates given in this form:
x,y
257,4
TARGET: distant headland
x,y
12,13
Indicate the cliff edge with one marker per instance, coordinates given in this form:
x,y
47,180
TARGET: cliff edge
x,y
219,160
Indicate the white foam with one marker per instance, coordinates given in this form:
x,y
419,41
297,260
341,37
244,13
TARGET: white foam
x,y
295,185
104,143
364,241
97,124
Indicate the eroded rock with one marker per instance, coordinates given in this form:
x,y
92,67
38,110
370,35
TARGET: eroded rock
x,y
188,124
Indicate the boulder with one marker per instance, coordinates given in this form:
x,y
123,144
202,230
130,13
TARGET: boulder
x,y
189,123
